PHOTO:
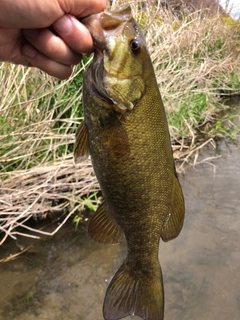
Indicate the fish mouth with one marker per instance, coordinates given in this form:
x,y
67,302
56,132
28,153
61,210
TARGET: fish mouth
x,y
104,27
106,24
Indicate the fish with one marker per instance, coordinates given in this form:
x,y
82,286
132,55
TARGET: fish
x,y
125,132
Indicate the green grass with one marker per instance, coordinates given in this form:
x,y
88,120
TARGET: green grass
x,y
38,116
91,203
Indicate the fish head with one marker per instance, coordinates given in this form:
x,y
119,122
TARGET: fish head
x,y
120,56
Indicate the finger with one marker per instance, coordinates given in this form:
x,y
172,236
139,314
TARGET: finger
x,y
10,44
82,8
74,33
51,46
38,60
41,14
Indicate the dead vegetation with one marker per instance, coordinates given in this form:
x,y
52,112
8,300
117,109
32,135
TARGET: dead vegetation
x,y
49,189
196,58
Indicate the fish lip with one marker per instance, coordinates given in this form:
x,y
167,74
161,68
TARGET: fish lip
x,y
93,24
106,24
99,53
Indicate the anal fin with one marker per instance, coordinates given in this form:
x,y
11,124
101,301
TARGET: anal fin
x,y
81,148
174,221
102,227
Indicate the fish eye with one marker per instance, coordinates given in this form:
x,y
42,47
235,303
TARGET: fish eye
x,y
135,46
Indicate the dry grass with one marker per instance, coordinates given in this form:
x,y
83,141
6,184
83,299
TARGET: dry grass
x,y
55,188
196,57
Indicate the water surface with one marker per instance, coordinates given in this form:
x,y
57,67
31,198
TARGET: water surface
x,y
65,277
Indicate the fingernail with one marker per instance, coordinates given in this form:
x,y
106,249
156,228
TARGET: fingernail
x,y
63,25
29,51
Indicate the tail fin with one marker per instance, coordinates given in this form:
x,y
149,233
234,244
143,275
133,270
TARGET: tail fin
x,y
133,292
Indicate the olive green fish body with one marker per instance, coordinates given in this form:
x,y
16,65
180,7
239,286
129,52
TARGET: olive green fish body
x,y
126,132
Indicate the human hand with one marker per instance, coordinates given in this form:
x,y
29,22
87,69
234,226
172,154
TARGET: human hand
x,y
25,36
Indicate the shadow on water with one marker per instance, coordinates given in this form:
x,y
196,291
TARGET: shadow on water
x,y
66,277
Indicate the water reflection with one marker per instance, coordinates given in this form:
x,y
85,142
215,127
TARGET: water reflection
x,y
66,277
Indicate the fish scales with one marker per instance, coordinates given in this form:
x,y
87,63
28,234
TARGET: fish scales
x,y
126,133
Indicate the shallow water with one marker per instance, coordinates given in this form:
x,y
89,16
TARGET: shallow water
x,y
65,277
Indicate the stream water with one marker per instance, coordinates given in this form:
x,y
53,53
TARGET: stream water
x,y
65,277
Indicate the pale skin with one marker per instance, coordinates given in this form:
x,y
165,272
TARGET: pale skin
x,y
46,34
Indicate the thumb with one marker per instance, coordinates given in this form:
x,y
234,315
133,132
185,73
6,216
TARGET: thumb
x,y
43,13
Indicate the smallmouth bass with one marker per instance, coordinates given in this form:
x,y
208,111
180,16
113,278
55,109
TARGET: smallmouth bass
x,y
126,133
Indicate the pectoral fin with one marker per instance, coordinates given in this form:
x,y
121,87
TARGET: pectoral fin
x,y
174,221
81,149
102,227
